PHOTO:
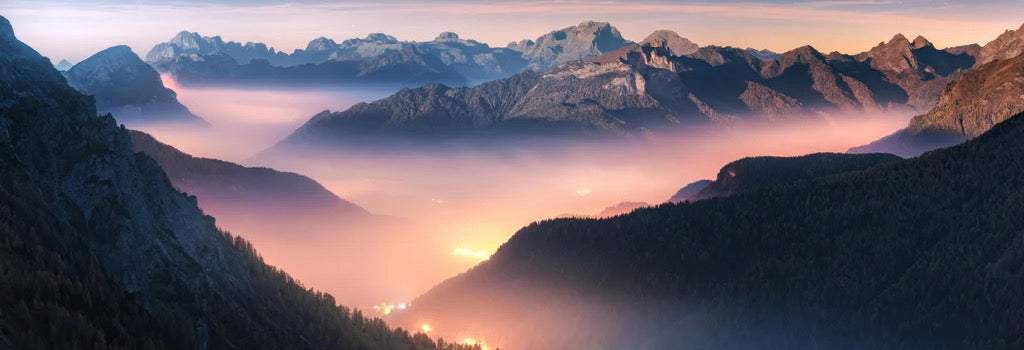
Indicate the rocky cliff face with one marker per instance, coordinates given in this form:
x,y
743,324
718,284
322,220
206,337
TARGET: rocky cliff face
x,y
968,107
191,44
127,87
582,42
1008,45
917,67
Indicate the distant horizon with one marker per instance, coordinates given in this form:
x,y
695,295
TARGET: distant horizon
x,y
76,30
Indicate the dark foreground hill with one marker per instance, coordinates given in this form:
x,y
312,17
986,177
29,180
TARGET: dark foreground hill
x,y
257,191
925,253
756,173
98,250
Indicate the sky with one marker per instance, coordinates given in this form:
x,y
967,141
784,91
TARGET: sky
x,y
76,29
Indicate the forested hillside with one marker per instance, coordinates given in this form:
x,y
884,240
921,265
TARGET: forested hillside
x,y
97,250
926,253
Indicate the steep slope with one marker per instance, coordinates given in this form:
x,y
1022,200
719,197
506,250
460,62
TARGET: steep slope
x,y
98,249
583,42
758,173
1008,45
923,253
127,87
223,186
690,191
968,107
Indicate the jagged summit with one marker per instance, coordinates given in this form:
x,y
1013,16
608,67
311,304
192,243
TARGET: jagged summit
x,y
381,37
920,42
671,41
320,44
447,36
585,41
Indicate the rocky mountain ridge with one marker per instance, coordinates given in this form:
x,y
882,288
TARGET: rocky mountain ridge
x,y
127,87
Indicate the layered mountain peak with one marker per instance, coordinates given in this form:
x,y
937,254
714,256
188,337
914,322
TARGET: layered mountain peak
x,y
63,65
447,36
321,44
381,38
116,57
899,38
187,40
127,87
1008,45
671,41
920,42
585,41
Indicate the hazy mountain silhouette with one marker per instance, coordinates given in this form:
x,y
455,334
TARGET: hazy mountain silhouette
x,y
127,87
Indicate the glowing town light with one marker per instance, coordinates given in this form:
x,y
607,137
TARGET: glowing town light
x,y
426,328
383,308
472,253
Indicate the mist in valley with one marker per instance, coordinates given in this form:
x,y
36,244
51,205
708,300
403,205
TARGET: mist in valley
x,y
437,212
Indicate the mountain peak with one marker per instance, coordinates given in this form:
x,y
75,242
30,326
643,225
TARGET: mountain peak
x,y
63,65
899,38
119,50
320,44
670,40
381,37
920,42
447,36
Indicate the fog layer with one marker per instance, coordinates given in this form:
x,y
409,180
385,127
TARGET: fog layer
x,y
446,210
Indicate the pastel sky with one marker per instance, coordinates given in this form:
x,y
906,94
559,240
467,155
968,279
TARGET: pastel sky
x,y
76,29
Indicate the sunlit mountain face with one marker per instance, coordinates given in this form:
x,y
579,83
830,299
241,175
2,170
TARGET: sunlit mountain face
x,y
518,174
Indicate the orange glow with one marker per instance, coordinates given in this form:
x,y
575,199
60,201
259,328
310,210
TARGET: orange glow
x,y
479,255
426,328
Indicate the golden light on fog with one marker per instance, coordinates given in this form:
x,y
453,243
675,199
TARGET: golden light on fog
x,y
384,309
479,255
426,328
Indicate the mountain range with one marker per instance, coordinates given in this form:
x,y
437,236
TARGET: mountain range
x,y
377,59
125,86
924,253
100,251
648,86
983,97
